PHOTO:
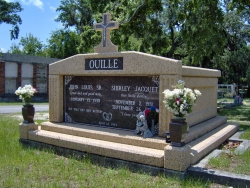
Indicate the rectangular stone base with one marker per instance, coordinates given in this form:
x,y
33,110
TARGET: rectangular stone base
x,y
124,145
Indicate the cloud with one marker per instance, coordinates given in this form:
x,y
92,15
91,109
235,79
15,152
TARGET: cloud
x,y
2,50
37,3
52,8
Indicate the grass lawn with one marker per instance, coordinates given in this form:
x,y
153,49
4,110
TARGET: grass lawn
x,y
230,162
28,167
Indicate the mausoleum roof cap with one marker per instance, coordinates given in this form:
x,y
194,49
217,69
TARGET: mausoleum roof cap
x,y
20,58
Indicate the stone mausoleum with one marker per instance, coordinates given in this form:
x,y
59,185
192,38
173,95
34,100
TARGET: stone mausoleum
x,y
94,99
17,70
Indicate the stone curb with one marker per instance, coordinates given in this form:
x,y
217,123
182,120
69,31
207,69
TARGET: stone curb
x,y
106,161
218,176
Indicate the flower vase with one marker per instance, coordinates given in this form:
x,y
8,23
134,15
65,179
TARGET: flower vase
x,y
178,129
28,112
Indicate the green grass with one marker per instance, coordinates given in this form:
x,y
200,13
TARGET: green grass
x,y
29,167
231,162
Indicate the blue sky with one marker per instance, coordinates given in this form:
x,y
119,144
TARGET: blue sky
x,y
37,18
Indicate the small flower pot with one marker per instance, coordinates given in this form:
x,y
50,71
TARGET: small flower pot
x,y
178,129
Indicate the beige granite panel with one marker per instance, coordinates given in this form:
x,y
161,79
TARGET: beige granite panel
x,y
107,134
24,129
109,149
177,158
166,82
55,98
212,140
134,63
204,127
206,105
201,72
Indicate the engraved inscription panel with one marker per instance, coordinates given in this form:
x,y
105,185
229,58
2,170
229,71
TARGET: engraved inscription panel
x,y
112,101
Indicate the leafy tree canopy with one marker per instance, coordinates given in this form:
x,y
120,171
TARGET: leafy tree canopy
x,y
62,44
75,13
28,45
8,15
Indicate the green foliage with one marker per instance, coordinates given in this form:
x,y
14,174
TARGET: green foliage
x,y
30,167
75,13
139,20
63,44
31,45
28,45
248,74
88,39
14,49
8,15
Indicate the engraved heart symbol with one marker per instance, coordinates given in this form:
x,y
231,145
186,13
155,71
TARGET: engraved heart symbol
x,y
107,116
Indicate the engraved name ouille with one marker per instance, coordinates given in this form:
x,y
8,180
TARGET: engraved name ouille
x,y
104,64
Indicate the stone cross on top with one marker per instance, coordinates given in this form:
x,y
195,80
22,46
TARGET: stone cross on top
x,y
106,45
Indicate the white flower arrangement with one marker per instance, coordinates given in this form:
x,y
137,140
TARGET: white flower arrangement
x,y
26,93
180,100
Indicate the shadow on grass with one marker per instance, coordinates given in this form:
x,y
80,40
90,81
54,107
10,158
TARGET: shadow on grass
x,y
239,114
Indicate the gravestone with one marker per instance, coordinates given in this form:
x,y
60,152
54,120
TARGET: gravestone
x,y
238,100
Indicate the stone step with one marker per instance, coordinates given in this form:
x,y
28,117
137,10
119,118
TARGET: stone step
x,y
210,141
106,134
148,156
203,128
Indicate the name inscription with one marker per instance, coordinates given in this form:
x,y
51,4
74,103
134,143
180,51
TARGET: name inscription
x,y
108,100
104,64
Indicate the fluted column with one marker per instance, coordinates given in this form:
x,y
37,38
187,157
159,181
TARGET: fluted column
x,y
56,98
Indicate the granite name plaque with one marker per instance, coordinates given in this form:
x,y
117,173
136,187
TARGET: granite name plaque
x,y
112,101
104,64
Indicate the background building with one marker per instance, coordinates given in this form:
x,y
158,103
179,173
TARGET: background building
x,y
17,70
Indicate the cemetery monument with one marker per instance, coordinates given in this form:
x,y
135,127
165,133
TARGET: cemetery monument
x,y
94,100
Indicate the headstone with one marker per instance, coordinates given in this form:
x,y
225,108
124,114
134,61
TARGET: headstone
x,y
238,100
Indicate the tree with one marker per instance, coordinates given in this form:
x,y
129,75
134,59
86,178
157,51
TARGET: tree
x,y
138,19
75,13
28,45
31,45
8,15
235,59
14,49
62,44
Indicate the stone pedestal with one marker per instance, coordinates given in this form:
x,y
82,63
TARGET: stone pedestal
x,y
24,129
177,158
